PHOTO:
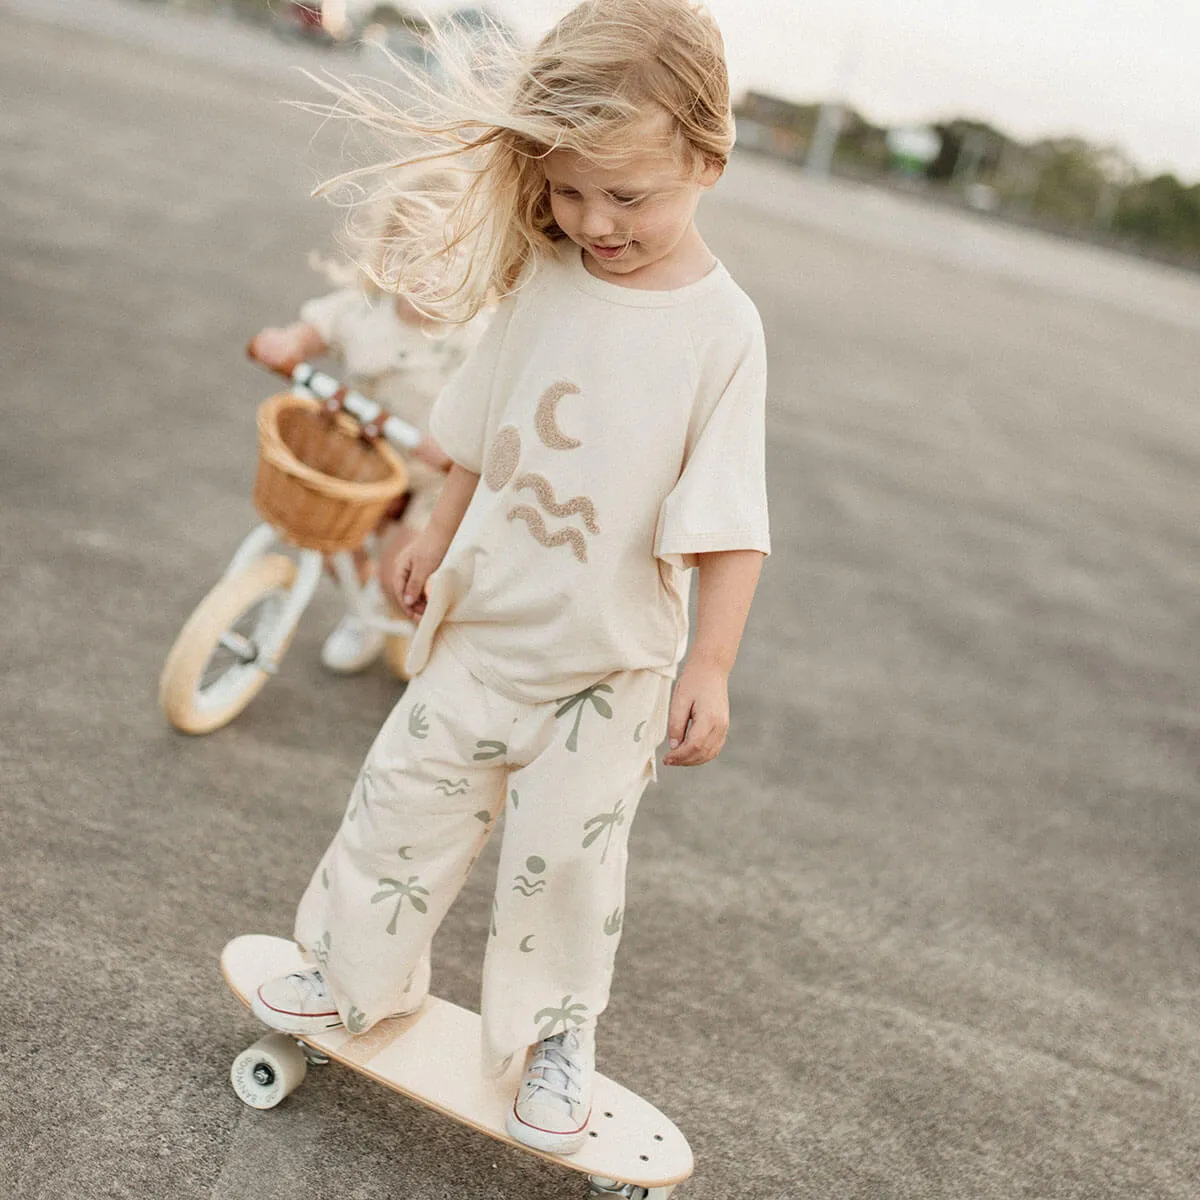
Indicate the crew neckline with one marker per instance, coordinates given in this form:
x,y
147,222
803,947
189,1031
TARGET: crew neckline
x,y
636,297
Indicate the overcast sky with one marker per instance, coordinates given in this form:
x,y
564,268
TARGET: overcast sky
x,y
1114,71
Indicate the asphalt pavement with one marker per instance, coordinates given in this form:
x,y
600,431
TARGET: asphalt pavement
x,y
928,928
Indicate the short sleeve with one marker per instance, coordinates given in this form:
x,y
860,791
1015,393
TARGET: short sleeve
x,y
459,419
326,314
720,500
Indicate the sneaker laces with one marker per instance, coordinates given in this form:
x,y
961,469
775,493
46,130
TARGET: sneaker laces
x,y
560,1073
310,984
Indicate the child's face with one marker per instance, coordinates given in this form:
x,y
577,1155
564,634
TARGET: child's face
x,y
632,220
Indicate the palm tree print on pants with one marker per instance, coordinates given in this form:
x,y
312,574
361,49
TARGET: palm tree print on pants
x,y
579,702
566,1015
604,823
410,891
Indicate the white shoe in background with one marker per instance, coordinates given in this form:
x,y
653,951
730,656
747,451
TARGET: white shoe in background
x,y
354,645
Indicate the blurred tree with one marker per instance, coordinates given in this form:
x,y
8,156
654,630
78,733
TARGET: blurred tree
x,y
1161,212
1070,182
1065,183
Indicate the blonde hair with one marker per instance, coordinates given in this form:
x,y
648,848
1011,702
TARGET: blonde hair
x,y
492,113
379,223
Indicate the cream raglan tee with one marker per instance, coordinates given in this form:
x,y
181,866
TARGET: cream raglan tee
x,y
400,365
617,433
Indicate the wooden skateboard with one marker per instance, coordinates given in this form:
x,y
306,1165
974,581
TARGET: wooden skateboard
x,y
631,1151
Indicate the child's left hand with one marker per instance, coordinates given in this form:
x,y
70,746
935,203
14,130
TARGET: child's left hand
x,y
699,717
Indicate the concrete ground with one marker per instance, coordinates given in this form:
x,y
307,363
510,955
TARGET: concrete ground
x,y
929,927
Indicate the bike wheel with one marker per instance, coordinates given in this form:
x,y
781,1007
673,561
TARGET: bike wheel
x,y
212,671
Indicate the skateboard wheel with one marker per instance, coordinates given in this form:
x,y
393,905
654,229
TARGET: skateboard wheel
x,y
268,1071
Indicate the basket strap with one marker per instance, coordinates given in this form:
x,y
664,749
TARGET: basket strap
x,y
369,431
372,430
332,405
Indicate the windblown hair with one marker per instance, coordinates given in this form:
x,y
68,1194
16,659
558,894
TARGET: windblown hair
x,y
489,115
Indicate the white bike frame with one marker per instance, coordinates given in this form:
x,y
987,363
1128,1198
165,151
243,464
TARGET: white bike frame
x,y
265,538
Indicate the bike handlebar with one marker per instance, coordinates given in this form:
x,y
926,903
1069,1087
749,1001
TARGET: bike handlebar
x,y
307,379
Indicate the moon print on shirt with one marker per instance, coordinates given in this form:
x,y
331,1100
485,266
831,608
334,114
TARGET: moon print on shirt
x,y
546,418
503,459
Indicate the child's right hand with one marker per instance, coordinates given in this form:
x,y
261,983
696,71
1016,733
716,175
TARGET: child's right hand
x,y
282,349
411,570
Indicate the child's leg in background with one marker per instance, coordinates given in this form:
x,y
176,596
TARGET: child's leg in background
x,y
421,810
560,889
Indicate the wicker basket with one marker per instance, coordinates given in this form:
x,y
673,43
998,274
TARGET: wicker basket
x,y
319,482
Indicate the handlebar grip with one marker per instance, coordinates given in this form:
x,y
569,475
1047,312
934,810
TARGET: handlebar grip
x,y
400,433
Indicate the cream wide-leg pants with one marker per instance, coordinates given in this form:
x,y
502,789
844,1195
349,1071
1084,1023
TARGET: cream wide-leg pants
x,y
450,759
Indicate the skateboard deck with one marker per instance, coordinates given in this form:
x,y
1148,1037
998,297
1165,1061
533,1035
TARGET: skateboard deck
x,y
629,1141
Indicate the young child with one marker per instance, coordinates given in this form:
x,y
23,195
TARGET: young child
x,y
399,357
607,435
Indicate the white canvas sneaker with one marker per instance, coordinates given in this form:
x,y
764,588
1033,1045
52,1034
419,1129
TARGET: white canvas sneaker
x,y
354,645
554,1100
300,1002
296,1003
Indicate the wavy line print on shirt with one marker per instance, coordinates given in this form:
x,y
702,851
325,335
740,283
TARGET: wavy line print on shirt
x,y
544,491
452,787
401,890
564,537
580,701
